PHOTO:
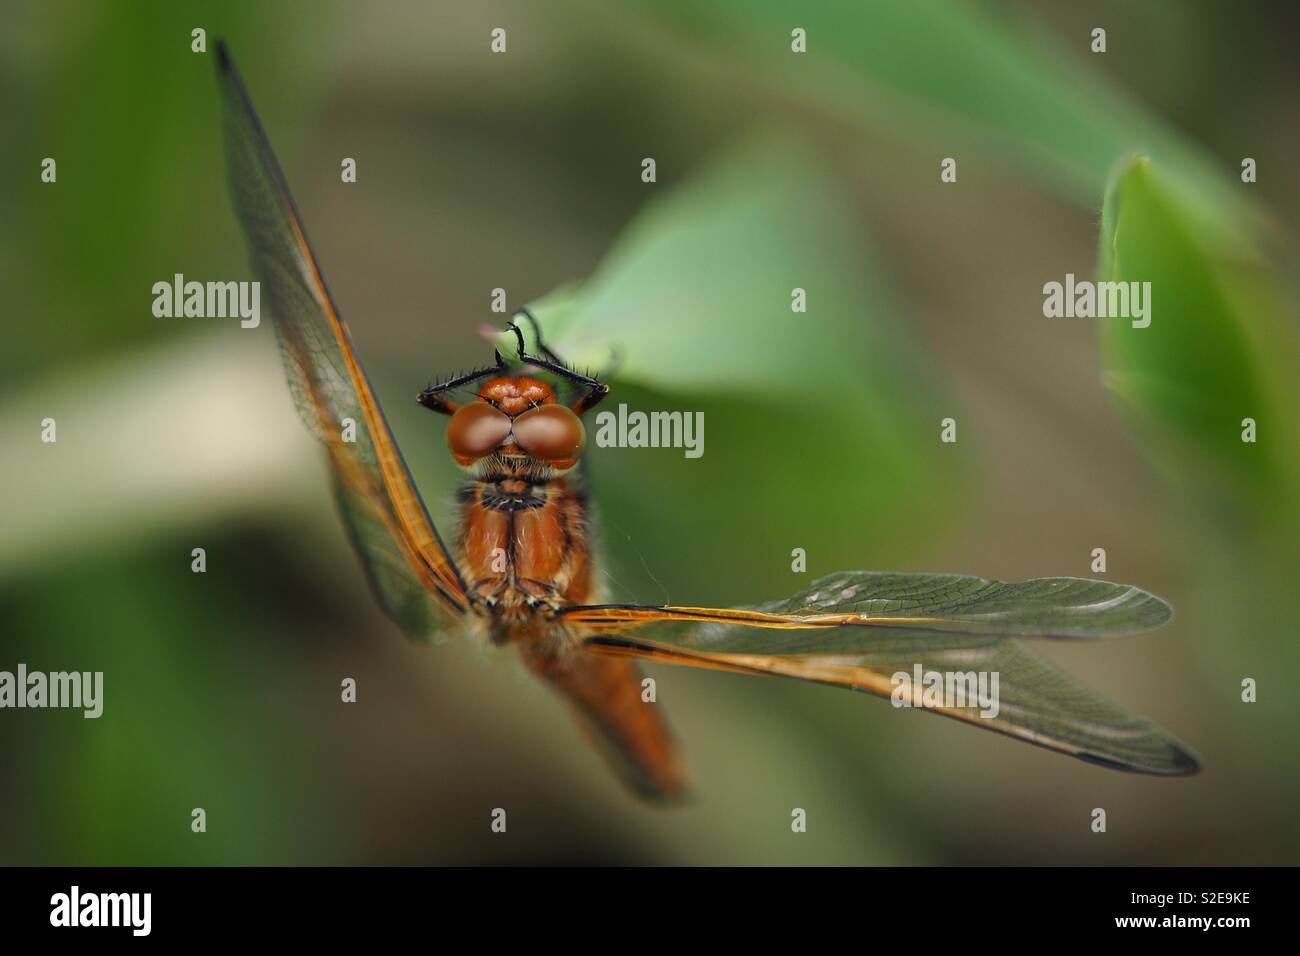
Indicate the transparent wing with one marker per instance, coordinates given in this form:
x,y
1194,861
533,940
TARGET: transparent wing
x,y
407,564
891,634
1042,607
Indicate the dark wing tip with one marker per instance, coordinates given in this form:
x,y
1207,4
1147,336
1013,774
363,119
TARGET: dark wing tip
x,y
224,63
1178,762
1185,762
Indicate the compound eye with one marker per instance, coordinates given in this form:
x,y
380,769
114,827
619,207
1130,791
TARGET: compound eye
x,y
552,433
476,430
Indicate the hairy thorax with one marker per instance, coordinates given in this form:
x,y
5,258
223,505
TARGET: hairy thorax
x,y
524,552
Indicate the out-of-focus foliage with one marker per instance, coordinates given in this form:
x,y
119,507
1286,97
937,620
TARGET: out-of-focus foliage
x,y
1220,334
973,69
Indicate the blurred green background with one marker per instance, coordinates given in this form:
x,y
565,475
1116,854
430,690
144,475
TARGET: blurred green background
x,y
775,170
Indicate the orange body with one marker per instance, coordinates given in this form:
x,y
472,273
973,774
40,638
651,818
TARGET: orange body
x,y
523,546
525,551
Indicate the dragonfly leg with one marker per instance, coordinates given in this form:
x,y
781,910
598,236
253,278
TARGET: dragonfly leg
x,y
596,389
431,396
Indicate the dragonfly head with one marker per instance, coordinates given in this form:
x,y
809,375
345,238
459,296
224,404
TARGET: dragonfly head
x,y
516,419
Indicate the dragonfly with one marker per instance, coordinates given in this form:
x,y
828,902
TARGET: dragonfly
x,y
521,572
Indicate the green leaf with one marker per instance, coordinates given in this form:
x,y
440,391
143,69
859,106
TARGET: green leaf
x,y
818,425
1204,364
